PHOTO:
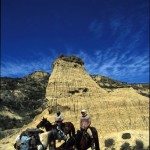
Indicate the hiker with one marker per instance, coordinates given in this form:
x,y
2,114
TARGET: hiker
x,y
22,141
28,139
85,122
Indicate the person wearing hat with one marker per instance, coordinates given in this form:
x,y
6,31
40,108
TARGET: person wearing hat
x,y
85,122
59,122
59,119
22,141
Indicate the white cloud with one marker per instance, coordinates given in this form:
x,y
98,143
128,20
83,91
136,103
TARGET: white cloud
x,y
19,68
118,66
122,59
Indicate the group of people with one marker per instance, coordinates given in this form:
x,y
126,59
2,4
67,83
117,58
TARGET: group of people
x,y
28,139
85,122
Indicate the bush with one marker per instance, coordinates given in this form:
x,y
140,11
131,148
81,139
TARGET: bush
x,y
1,135
125,146
109,142
9,123
139,145
126,135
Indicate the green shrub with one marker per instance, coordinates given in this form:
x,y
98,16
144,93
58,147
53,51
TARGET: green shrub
x,y
109,142
1,135
125,146
126,135
139,145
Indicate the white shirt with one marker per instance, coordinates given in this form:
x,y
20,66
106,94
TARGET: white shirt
x,y
59,118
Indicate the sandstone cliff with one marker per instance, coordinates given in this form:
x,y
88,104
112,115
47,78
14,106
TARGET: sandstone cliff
x,y
70,83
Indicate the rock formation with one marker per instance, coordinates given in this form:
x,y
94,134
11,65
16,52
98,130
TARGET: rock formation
x,y
69,83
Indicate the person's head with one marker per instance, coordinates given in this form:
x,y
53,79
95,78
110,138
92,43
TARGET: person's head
x,y
58,113
83,112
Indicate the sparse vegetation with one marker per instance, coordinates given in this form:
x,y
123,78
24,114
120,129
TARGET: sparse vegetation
x,y
22,96
139,145
72,58
11,123
125,146
109,143
110,84
126,135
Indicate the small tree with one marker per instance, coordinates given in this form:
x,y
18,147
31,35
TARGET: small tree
x,y
139,145
126,135
125,146
109,143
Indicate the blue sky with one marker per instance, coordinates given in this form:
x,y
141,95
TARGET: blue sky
x,y
110,36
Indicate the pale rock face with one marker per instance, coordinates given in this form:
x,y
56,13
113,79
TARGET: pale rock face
x,y
70,78
71,82
38,75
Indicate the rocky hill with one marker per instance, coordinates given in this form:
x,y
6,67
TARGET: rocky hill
x,y
112,105
110,85
22,99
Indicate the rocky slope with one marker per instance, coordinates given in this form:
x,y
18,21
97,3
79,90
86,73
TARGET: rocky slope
x,y
21,99
110,85
115,107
